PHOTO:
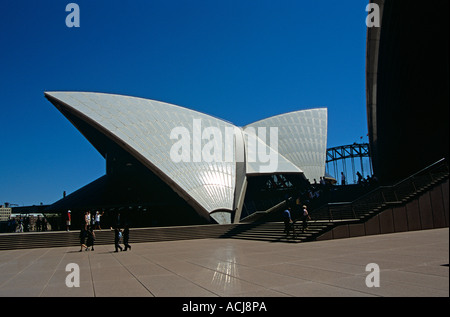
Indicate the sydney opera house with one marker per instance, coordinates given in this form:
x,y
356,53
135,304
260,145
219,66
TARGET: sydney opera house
x,y
169,165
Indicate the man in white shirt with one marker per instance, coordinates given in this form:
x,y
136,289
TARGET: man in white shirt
x,y
97,220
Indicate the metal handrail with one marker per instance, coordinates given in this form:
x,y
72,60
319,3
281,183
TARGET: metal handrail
x,y
381,196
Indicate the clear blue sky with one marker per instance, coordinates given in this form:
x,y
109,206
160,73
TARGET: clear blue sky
x,y
239,60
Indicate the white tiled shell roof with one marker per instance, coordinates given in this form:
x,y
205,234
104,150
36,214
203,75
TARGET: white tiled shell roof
x,y
145,126
302,139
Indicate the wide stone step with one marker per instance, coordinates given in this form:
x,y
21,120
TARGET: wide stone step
x,y
275,232
28,240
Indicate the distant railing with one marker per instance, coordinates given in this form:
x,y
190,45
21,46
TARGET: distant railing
x,y
258,214
383,195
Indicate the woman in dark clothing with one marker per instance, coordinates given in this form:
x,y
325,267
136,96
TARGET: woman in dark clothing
x,y
90,238
126,235
83,235
117,236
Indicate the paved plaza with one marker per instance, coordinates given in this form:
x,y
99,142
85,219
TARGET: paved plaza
x,y
410,264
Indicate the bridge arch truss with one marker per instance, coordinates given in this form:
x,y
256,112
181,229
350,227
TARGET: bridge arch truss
x,y
349,159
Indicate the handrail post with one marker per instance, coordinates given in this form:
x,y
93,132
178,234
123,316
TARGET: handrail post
x,y
431,175
353,211
383,198
395,194
413,184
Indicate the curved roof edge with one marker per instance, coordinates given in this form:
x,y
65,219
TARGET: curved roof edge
x,y
295,112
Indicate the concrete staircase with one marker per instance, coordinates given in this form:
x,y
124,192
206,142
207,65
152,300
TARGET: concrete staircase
x,y
377,200
274,232
260,225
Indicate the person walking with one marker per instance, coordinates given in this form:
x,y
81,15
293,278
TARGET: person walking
x,y
306,217
88,219
117,237
85,220
360,178
38,223
97,220
68,220
90,238
288,223
126,236
342,178
19,225
83,236
44,224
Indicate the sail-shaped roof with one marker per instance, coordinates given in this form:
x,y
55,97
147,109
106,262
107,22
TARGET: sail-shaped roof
x,y
193,152
302,139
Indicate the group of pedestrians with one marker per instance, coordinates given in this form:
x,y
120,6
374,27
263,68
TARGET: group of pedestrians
x,y
123,235
92,219
289,220
27,223
87,238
